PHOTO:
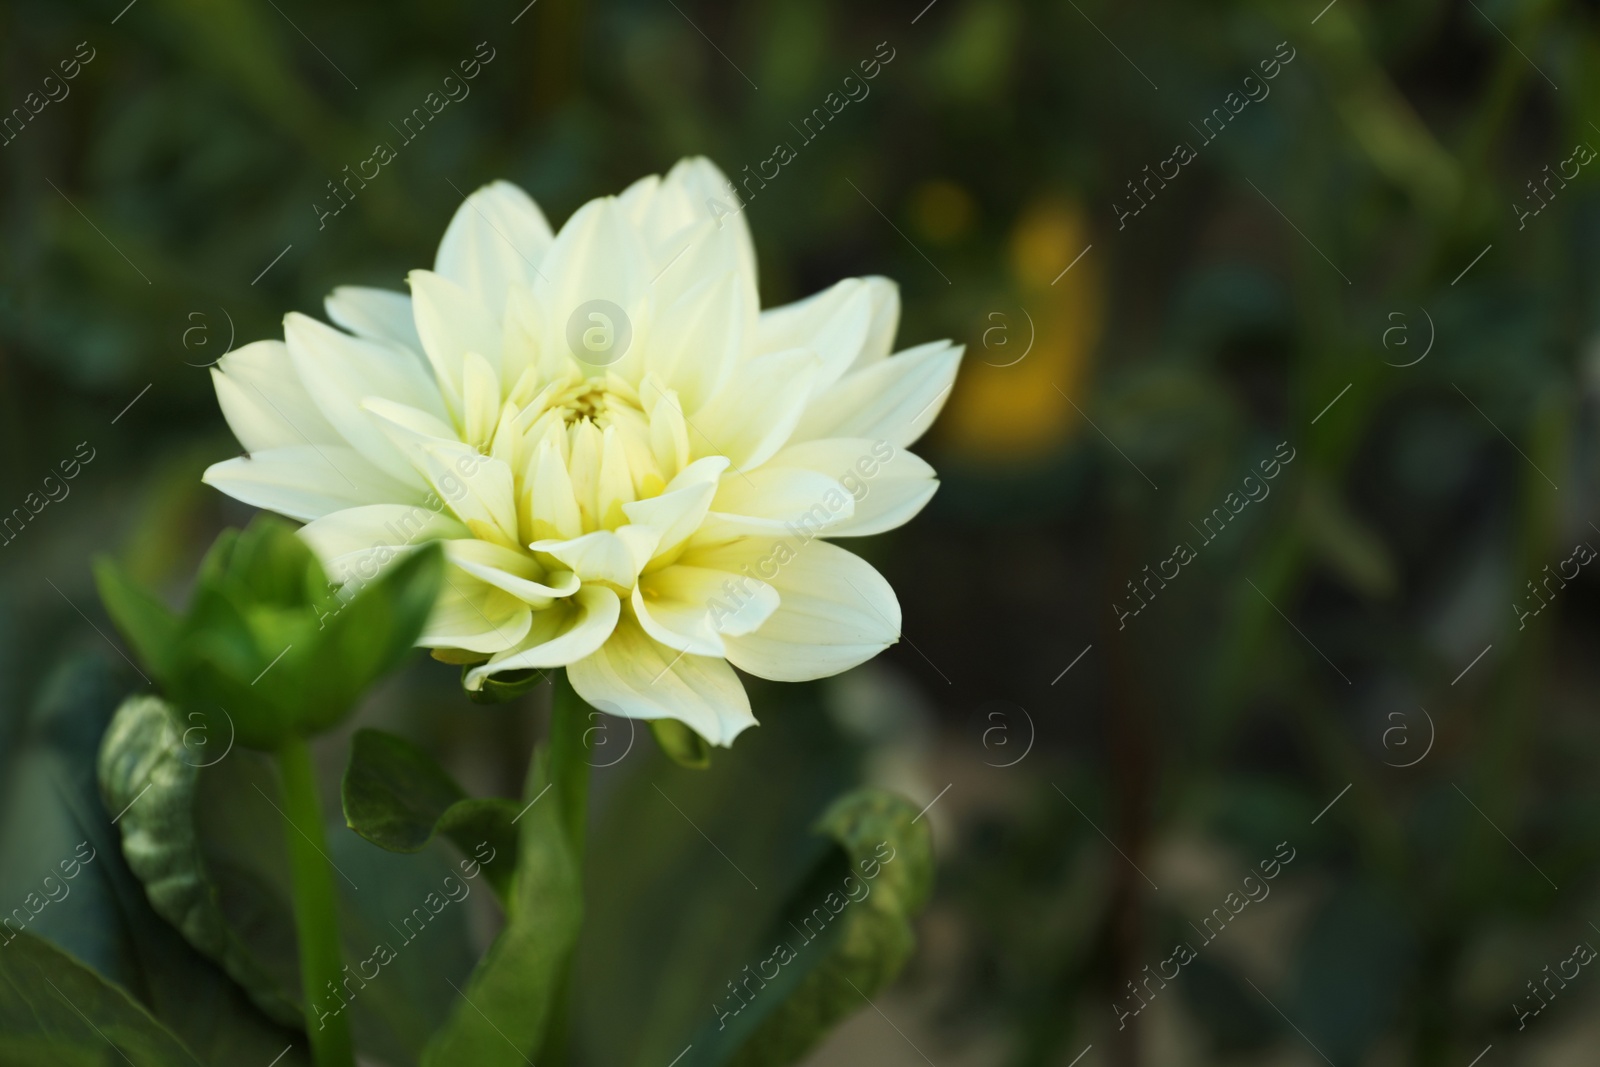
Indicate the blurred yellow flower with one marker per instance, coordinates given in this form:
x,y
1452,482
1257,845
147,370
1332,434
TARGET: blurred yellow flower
x,y
1010,402
942,211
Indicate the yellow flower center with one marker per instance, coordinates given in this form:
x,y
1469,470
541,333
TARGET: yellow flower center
x,y
592,400
599,437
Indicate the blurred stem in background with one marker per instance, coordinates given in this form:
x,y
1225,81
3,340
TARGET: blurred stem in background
x,y
569,779
315,907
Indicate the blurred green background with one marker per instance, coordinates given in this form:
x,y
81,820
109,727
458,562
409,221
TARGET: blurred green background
x,y
1358,627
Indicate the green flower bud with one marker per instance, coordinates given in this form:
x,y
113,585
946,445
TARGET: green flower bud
x,y
266,640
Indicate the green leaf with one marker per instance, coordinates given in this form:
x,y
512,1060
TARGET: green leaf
x,y
396,796
416,907
262,640
1348,545
228,649
272,565
370,635
667,952
501,1017
385,898
54,825
1351,964
209,843
681,744
148,774
843,937
147,624
54,1009
214,567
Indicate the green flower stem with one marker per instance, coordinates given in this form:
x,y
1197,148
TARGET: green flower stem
x,y
569,761
569,775
315,909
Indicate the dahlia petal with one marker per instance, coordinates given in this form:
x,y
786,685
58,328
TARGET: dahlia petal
x,y
637,677
671,214
695,189
484,497
614,487
706,250
495,241
479,489
553,514
615,556
690,608
452,322
697,338
480,400
375,314
669,433
340,371
885,296
596,256
638,199
473,615
583,464
264,401
306,482
772,498
896,399
352,544
522,344
756,410
888,485
568,630
515,572
678,511
834,612
833,323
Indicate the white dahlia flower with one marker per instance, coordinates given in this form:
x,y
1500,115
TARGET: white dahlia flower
x,y
630,464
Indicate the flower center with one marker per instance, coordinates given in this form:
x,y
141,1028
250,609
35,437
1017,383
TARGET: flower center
x,y
591,442
593,401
